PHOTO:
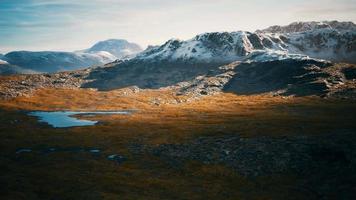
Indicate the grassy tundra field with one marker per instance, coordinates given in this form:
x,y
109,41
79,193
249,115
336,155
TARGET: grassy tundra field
x,y
153,165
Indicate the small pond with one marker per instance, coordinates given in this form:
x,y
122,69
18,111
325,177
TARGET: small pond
x,y
64,119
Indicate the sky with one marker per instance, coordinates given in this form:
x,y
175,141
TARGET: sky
x,y
68,25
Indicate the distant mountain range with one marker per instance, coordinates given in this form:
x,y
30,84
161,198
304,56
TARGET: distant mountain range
x,y
329,40
284,59
298,59
119,48
54,61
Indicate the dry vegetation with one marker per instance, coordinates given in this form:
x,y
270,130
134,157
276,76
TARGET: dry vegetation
x,y
66,175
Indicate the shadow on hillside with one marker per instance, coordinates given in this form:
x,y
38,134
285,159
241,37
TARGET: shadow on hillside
x,y
294,77
148,75
297,77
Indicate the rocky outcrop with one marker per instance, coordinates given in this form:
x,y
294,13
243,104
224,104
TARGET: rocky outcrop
x,y
146,75
24,85
286,77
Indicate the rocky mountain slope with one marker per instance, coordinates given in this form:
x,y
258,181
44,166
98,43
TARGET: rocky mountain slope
x,y
287,76
262,62
334,41
296,77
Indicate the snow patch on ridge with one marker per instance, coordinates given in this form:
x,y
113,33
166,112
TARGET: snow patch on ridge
x,y
269,55
325,40
3,62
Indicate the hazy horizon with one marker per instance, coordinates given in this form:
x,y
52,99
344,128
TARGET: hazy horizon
x,y
62,25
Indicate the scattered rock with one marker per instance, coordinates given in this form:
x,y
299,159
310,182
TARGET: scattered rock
x,y
117,158
19,151
25,85
94,151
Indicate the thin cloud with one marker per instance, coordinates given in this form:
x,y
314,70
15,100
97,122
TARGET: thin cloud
x,y
68,24
327,10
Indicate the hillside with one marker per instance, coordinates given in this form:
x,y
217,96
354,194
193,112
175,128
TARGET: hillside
x,y
262,62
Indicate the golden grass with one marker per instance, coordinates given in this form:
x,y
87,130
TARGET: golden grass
x,y
66,175
245,115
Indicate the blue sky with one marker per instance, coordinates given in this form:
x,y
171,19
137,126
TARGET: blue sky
x,y
72,25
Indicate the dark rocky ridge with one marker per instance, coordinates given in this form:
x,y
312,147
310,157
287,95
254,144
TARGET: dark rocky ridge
x,y
146,75
297,77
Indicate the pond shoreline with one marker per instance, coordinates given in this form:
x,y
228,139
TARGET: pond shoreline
x,y
67,119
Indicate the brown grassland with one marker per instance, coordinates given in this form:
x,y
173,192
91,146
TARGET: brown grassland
x,y
65,175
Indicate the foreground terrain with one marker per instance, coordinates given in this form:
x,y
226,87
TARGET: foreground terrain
x,y
223,146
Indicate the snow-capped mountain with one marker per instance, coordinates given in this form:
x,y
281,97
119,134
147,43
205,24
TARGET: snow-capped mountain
x,y
334,41
178,61
117,47
50,61
328,44
207,47
271,55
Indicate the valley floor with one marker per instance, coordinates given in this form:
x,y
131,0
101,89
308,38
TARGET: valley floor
x,y
223,146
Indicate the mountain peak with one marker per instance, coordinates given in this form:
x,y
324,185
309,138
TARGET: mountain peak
x,y
118,47
330,40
